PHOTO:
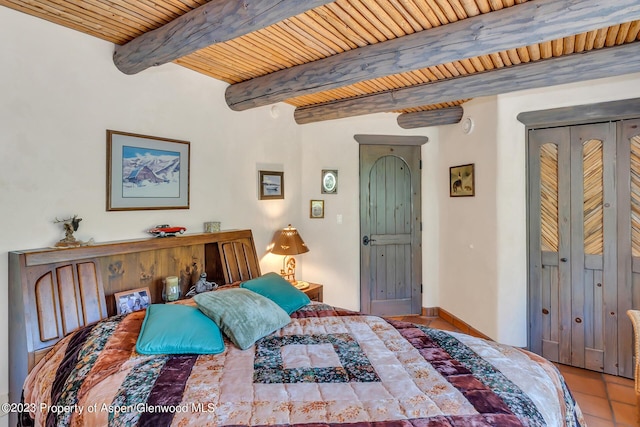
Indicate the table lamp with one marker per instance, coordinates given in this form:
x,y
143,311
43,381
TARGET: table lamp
x,y
288,242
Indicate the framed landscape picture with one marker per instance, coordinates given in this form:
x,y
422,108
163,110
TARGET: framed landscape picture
x,y
146,172
462,181
271,185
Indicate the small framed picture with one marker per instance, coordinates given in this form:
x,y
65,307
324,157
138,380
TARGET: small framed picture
x,y
133,300
462,181
271,185
316,209
329,181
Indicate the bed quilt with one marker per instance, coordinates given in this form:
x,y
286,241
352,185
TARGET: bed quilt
x,y
327,367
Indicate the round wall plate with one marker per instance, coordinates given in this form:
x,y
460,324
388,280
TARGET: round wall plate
x,y
467,125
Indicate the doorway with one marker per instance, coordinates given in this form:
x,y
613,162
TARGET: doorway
x,y
390,229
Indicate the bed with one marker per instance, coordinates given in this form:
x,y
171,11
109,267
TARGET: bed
x,y
322,366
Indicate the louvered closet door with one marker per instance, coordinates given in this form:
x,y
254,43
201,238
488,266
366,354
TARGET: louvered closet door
x,y
573,245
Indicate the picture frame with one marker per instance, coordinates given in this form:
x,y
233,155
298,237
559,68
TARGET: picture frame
x,y
133,300
271,185
316,209
329,182
462,181
146,172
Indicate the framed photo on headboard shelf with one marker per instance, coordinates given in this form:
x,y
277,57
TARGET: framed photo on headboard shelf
x,y
133,300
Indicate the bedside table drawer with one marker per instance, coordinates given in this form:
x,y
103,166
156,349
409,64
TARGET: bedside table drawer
x,y
314,292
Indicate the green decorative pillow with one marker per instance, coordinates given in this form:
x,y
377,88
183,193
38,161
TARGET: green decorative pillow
x,y
178,329
278,290
243,316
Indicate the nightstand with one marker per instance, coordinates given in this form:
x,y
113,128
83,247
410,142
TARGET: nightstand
x,y
314,292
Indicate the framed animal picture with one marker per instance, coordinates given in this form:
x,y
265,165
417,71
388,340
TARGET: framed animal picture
x,y
462,181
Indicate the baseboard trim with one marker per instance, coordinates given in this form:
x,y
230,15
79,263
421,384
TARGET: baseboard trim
x,y
455,321
430,311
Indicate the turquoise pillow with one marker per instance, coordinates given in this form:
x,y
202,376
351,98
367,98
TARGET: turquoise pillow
x,y
243,316
278,290
178,329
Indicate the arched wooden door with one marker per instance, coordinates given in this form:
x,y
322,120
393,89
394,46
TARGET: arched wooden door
x,y
390,215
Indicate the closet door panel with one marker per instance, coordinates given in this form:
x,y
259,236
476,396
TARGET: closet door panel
x,y
549,244
628,190
593,234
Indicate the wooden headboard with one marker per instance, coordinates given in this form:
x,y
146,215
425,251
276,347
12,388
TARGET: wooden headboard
x,y
53,292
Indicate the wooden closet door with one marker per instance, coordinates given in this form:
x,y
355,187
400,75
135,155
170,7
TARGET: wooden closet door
x,y
572,245
628,190
549,244
594,287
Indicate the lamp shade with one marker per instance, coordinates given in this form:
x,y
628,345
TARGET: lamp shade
x,y
289,242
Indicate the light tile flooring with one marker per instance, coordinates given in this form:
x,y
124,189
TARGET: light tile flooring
x,y
605,400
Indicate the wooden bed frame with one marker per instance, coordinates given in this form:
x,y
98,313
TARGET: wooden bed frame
x,y
53,292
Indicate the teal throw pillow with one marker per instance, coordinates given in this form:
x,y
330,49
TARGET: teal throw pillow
x,y
243,316
278,290
178,329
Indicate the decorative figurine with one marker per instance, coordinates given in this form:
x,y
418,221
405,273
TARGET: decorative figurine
x,y
166,230
201,286
70,225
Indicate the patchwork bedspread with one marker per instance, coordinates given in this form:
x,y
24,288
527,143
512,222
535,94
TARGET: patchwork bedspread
x,y
327,367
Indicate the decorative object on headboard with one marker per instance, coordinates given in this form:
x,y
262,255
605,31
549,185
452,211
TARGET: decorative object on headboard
x,y
171,289
164,230
288,242
133,300
202,286
70,224
212,226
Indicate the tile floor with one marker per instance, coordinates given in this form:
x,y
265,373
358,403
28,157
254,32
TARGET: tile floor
x,y
605,400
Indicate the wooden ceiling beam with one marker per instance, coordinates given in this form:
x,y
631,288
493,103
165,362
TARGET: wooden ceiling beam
x,y
513,27
214,22
595,64
439,117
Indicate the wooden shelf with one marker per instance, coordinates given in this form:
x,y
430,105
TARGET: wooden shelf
x,y
53,255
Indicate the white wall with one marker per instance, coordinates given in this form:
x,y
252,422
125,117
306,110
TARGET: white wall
x,y
468,224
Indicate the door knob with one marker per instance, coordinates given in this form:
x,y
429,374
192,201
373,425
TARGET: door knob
x,y
563,259
366,240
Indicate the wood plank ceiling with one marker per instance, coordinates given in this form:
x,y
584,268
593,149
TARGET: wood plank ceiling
x,y
334,29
